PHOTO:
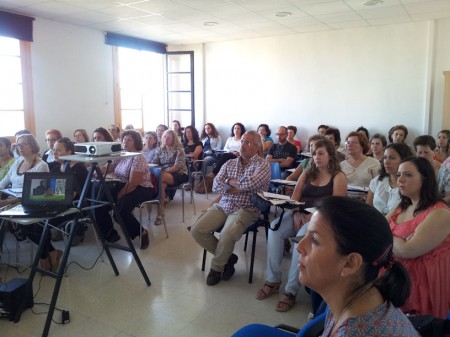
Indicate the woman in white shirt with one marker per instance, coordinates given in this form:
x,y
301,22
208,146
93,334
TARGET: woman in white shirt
x,y
233,145
383,191
28,150
359,168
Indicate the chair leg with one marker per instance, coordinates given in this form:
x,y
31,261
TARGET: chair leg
x,y
192,200
204,259
252,261
182,202
246,240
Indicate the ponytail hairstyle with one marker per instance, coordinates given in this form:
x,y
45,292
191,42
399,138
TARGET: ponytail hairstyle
x,y
360,228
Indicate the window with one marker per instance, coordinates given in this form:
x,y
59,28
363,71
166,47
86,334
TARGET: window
x,y
15,86
139,88
180,87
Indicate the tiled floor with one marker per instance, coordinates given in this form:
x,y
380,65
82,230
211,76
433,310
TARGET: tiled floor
x,y
178,302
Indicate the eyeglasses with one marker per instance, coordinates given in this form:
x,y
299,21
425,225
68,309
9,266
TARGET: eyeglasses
x,y
351,143
280,134
51,140
21,145
246,142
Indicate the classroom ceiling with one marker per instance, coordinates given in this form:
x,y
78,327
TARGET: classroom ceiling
x,y
203,21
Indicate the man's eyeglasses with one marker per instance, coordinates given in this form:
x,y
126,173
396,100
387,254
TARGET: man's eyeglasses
x,y
280,134
51,140
246,142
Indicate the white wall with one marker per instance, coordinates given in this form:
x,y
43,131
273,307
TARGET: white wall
x,y
376,77
72,78
441,63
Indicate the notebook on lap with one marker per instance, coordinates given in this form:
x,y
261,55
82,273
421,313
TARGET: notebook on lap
x,y
44,194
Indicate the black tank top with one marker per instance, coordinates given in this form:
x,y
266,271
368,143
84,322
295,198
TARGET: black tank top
x,y
311,194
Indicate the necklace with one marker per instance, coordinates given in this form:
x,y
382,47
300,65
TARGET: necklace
x,y
20,165
347,306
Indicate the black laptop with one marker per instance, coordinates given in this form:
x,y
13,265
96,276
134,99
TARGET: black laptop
x,y
44,194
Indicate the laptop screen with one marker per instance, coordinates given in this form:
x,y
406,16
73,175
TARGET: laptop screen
x,y
47,190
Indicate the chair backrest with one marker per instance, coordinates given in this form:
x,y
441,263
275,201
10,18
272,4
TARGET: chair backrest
x,y
314,328
275,171
156,171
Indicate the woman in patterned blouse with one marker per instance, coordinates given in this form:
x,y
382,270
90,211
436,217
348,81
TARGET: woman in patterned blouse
x,y
170,156
135,187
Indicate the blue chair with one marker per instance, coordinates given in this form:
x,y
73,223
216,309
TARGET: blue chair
x,y
275,173
313,328
156,171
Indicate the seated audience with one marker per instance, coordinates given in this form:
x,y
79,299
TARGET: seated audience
x,y
238,179
232,146
291,132
27,149
114,131
135,187
377,145
442,151
176,126
170,156
211,143
425,146
421,230
159,132
150,146
16,135
444,181
101,135
334,136
65,147
352,268
323,178
267,141
398,134
383,191
283,153
359,168
6,156
29,161
80,136
305,163
364,131
321,129
193,147
51,136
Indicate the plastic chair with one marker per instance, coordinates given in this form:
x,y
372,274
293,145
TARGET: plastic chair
x,y
275,173
313,328
156,171
263,221
187,186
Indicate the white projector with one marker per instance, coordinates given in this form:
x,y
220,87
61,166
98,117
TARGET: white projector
x,y
98,148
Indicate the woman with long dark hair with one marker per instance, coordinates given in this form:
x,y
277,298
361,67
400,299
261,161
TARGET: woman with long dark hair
x,y
383,191
420,225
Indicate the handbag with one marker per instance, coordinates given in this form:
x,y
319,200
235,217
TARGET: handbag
x,y
262,204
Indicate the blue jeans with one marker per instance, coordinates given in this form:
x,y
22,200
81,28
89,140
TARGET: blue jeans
x,y
275,249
